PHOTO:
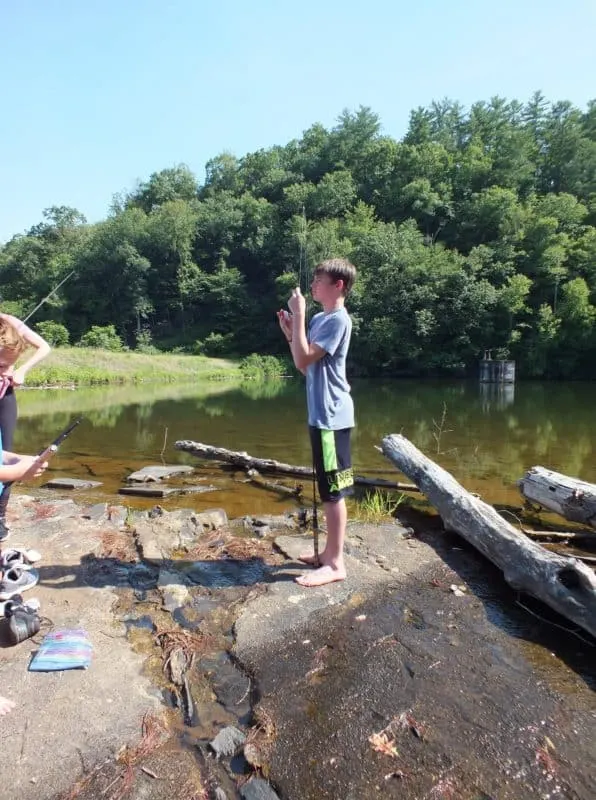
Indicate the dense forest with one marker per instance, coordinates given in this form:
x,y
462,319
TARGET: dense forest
x,y
476,231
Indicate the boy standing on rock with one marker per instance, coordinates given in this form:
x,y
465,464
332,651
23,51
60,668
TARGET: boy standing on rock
x,y
321,356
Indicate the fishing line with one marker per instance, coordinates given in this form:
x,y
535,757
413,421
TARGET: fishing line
x,y
47,297
303,283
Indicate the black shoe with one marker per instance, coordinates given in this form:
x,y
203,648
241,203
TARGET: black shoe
x,y
4,530
23,622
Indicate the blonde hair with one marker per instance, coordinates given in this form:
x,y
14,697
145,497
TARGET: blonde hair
x,y
11,339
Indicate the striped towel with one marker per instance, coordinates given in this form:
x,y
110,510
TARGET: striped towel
x,y
63,649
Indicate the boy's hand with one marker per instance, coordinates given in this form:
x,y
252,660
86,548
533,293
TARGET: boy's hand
x,y
285,323
297,303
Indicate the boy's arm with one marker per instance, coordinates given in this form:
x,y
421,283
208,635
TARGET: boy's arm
x,y
300,369
328,338
303,353
286,325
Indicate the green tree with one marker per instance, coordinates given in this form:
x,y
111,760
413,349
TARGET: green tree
x,y
177,183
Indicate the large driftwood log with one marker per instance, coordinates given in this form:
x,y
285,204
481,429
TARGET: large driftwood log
x,y
565,584
571,498
245,461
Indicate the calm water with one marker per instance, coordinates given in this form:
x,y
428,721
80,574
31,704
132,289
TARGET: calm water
x,y
486,436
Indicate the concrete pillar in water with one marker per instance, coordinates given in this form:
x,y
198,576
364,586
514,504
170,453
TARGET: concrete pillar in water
x,y
496,396
497,371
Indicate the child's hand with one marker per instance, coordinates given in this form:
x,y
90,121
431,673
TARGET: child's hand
x,y
285,323
18,377
33,467
297,303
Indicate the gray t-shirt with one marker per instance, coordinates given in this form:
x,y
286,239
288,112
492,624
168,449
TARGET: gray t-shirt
x,y
328,396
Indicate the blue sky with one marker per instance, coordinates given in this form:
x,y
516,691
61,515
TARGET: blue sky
x,y
96,95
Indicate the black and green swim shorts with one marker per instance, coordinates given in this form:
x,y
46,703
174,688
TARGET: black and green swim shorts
x,y
332,461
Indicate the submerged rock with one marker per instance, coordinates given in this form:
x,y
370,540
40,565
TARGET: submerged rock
x,y
263,525
172,588
228,742
224,573
158,534
258,789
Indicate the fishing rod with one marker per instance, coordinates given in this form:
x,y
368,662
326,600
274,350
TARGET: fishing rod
x,y
47,297
60,438
53,447
304,276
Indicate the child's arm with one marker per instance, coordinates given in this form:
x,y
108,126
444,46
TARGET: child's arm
x,y
22,468
42,348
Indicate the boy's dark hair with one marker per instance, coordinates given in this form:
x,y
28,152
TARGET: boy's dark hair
x,y
338,269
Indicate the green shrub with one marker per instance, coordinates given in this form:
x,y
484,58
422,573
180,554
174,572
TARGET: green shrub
x,y
144,342
54,333
104,337
258,366
216,344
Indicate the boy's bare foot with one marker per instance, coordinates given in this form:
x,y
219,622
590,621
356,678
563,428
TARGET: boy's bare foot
x,y
308,558
6,706
322,576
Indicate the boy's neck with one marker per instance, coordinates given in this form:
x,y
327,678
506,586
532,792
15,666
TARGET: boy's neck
x,y
334,305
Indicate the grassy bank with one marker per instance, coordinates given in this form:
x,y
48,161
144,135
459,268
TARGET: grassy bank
x,y
89,366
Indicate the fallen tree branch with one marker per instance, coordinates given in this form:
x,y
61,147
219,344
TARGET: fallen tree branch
x,y
255,478
571,498
565,584
246,462
554,624
583,536
586,559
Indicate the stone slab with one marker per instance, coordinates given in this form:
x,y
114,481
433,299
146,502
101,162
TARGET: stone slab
x,y
71,483
164,491
287,606
158,472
